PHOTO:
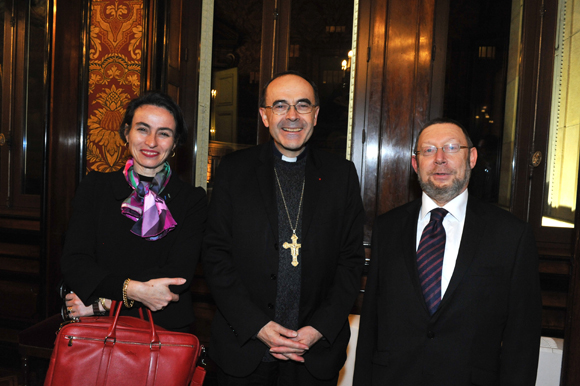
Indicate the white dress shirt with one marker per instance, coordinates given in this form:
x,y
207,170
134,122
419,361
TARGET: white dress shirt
x,y
453,224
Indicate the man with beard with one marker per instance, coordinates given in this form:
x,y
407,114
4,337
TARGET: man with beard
x,y
283,250
452,295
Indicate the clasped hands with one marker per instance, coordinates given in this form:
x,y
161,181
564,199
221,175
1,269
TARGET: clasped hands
x,y
286,344
154,294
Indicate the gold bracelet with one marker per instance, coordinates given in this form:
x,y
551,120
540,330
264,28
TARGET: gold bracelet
x,y
125,299
104,304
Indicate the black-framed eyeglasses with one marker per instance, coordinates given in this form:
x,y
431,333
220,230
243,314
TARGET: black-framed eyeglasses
x,y
282,108
449,148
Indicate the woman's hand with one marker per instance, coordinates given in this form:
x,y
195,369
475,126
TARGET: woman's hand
x,y
155,293
76,307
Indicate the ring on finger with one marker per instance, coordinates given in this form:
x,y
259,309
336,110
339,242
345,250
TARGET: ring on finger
x,y
69,310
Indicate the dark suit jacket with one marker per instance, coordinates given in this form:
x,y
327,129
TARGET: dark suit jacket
x,y
241,257
101,252
487,328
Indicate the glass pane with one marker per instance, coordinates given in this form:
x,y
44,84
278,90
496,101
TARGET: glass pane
x,y
320,41
564,140
511,99
478,53
235,91
33,138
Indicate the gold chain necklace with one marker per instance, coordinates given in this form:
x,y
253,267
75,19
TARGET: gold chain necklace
x,y
294,246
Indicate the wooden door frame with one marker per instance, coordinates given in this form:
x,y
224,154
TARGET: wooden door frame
x,y
65,136
182,74
396,101
274,54
570,370
533,115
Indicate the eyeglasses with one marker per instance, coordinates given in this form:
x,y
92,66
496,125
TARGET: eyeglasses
x,y
282,108
450,148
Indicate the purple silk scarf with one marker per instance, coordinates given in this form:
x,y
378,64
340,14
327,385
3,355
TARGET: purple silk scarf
x,y
153,219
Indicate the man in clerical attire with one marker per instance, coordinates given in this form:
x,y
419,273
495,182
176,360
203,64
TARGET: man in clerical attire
x,y
284,250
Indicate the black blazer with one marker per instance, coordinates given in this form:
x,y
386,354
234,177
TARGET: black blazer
x,y
241,257
487,328
100,251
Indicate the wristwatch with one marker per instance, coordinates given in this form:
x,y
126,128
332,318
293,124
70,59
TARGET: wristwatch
x,y
96,310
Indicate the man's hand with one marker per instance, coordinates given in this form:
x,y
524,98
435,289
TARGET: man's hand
x,y
307,336
282,342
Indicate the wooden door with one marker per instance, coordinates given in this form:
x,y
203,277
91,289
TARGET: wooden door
x,y
24,91
24,87
545,190
393,101
224,112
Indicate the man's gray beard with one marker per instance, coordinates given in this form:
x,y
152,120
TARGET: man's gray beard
x,y
445,194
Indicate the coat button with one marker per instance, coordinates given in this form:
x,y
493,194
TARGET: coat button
x,y
273,276
270,306
430,334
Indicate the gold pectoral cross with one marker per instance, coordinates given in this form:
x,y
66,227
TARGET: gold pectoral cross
x,y
294,247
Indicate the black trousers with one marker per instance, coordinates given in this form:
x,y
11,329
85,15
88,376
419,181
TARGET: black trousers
x,y
279,373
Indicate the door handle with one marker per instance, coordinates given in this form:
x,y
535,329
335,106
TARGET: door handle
x,y
537,159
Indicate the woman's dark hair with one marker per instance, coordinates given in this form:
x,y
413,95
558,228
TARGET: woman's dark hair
x,y
159,99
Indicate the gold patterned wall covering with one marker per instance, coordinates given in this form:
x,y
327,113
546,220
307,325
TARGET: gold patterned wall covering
x,y
116,41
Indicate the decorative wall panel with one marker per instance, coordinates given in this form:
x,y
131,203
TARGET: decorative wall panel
x,y
116,34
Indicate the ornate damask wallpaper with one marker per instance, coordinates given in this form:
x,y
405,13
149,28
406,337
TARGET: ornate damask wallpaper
x,y
116,41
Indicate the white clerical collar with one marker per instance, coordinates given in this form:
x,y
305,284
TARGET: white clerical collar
x,y
456,207
278,154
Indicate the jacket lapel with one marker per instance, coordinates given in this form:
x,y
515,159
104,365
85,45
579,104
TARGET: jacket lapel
x,y
314,179
120,187
265,177
409,227
473,231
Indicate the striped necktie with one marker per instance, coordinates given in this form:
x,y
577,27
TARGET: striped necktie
x,y
430,259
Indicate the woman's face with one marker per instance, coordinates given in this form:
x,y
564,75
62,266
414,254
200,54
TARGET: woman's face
x,y
151,138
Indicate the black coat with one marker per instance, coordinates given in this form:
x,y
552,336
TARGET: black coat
x,y
241,257
101,252
486,330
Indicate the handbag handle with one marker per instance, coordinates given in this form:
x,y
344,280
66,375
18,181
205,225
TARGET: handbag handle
x,y
113,305
112,333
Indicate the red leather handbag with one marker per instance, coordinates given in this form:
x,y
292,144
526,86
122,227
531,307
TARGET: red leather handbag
x,y
123,350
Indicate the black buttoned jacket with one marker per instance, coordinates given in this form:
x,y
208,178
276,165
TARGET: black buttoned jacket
x,y
241,257
486,330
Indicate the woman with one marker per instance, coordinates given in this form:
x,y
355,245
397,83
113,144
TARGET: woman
x,y
135,235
